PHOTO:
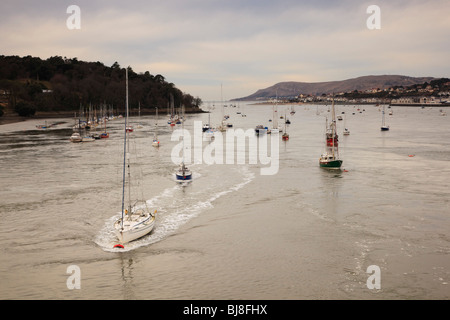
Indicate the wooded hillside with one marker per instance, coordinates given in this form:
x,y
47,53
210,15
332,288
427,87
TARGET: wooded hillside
x,y
30,84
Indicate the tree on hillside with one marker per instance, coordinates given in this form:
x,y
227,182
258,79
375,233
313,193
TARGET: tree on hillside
x,y
69,83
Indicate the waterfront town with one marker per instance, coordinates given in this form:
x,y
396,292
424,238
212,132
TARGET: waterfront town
x,y
435,93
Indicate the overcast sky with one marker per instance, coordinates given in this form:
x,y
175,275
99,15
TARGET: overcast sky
x,y
245,45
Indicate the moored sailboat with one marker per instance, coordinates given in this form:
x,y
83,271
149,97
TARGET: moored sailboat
x,y
104,134
292,111
155,141
346,130
76,137
275,128
139,125
384,127
260,130
285,135
183,173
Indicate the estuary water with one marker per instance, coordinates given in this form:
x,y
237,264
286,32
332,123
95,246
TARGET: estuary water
x,y
232,233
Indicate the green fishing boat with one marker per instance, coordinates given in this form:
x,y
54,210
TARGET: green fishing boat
x,y
329,161
330,158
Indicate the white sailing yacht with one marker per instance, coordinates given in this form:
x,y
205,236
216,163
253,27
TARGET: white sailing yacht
x,y
136,220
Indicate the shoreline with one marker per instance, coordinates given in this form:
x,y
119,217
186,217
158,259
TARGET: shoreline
x,y
354,103
15,118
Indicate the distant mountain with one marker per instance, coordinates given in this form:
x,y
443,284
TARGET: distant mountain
x,y
291,89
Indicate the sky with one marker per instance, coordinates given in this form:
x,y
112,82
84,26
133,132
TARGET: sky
x,y
226,49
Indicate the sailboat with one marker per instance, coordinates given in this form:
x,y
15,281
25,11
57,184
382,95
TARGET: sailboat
x,y
172,117
243,113
285,135
183,173
224,125
346,131
76,137
275,128
260,130
330,158
206,126
136,220
155,141
292,110
208,132
139,125
104,134
384,127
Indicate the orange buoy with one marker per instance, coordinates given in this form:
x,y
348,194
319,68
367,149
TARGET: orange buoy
x,y
411,155
119,246
345,170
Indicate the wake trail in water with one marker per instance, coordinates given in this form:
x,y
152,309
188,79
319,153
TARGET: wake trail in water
x,y
175,207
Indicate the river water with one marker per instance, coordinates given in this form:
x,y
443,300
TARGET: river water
x,y
232,233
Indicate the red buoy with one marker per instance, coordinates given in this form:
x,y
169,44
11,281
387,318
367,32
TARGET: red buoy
x,y
119,246
411,155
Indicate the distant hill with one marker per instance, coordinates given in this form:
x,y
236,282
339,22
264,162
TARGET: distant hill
x,y
292,88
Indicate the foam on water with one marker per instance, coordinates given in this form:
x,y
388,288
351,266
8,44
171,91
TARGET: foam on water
x,y
172,212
